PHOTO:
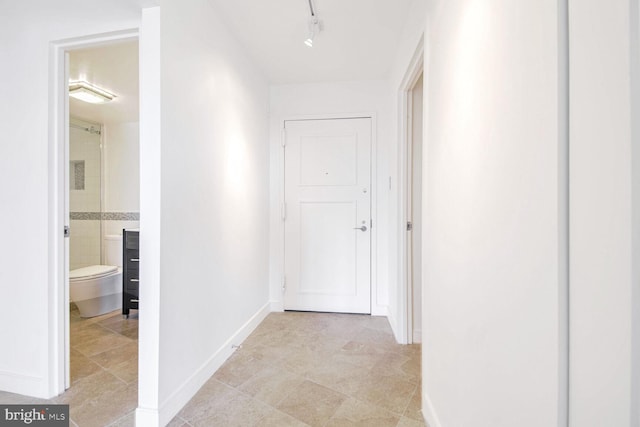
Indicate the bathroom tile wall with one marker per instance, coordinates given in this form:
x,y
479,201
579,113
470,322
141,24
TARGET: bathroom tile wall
x,y
121,178
118,166
84,197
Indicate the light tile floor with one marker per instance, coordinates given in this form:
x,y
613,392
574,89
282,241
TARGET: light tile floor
x,y
313,369
104,370
296,369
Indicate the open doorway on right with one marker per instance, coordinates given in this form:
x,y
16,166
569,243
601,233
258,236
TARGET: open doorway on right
x,y
414,210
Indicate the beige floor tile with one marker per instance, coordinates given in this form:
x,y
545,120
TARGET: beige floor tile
x,y
96,397
355,413
239,368
7,398
365,355
95,346
379,338
131,333
271,384
119,323
400,366
106,408
240,411
408,422
387,392
90,387
379,323
340,376
210,398
126,371
302,360
81,366
178,422
115,356
311,403
305,364
414,409
276,418
128,420
81,332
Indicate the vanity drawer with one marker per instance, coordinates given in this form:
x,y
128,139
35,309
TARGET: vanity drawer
x,y
132,261
132,240
132,285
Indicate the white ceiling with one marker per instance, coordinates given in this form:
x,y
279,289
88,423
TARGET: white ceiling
x,y
114,68
358,42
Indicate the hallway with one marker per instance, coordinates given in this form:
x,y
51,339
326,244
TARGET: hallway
x,y
317,369
296,369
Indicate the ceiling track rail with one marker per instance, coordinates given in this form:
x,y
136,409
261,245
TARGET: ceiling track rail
x,y
312,9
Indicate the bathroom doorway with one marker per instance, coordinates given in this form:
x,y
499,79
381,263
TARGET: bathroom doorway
x,y
102,193
414,212
409,304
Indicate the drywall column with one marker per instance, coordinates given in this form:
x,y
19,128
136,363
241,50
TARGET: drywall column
x,y
493,315
602,294
147,413
214,245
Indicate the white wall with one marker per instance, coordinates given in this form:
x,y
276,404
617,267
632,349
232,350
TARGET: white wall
x,y
604,195
27,28
214,231
492,316
317,99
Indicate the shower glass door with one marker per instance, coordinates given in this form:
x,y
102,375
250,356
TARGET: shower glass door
x,y
85,195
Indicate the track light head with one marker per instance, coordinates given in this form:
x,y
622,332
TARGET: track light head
x,y
314,29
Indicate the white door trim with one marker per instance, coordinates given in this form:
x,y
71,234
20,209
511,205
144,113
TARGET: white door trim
x,y
404,329
276,293
58,298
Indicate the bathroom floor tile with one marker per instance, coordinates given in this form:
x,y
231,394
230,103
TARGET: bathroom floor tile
x,y
96,346
82,366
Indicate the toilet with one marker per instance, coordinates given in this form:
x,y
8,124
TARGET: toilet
x,y
97,289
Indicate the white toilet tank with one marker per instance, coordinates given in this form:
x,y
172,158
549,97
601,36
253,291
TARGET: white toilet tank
x,y
113,249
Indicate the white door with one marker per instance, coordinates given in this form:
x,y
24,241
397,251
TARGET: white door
x,y
328,215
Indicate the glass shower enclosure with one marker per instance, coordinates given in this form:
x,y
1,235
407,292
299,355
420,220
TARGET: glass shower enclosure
x,y
85,193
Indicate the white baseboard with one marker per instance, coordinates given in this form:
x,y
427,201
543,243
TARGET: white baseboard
x,y
379,310
417,336
428,412
27,385
174,403
277,306
147,417
394,325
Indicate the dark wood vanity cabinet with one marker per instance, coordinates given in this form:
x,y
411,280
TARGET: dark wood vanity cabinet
x,y
131,269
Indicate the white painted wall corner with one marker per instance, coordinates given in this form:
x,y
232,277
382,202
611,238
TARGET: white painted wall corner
x,y
174,403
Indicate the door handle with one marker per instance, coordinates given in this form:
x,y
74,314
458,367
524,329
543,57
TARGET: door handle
x,y
363,228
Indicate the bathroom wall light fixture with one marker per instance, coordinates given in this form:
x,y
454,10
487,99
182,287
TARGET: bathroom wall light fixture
x,y
87,92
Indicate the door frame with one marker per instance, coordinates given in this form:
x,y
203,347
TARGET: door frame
x,y
58,248
277,297
405,97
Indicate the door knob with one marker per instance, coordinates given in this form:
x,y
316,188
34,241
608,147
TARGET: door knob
x,y
363,228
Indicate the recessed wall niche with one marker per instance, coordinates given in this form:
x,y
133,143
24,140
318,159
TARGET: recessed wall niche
x,y
76,175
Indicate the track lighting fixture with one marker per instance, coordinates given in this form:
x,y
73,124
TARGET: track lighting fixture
x,y
314,25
